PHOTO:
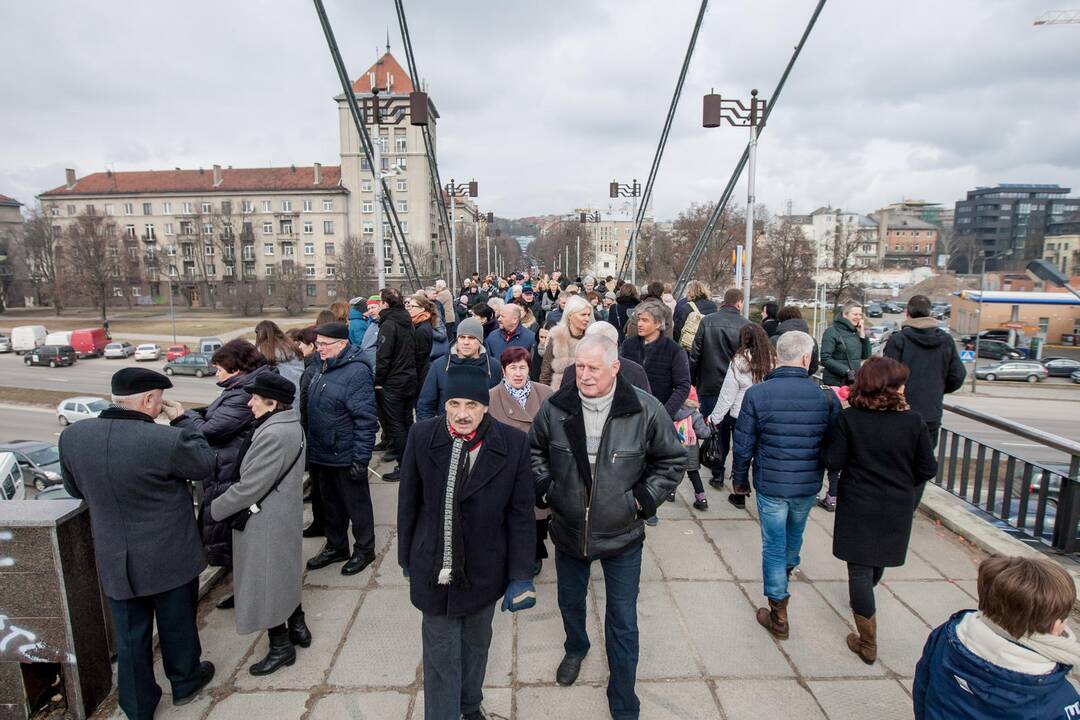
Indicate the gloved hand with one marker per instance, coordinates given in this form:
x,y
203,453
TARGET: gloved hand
x,y
171,409
358,471
520,595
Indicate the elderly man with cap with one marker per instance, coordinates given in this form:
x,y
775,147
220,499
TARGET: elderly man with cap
x,y
341,437
469,350
268,564
133,474
466,536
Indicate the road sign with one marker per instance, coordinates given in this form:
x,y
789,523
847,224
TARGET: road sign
x,y
967,356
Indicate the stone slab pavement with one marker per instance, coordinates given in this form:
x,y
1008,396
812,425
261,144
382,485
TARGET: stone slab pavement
x,y
703,656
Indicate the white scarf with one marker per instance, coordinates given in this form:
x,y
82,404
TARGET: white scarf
x,y
1032,654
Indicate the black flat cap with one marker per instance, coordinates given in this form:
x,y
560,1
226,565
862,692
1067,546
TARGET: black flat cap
x,y
274,387
137,380
335,330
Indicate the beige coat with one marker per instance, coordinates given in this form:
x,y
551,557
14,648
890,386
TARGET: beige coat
x,y
506,410
558,356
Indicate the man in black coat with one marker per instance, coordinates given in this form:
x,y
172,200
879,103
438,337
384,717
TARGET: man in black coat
x,y
466,536
395,373
932,357
715,344
133,474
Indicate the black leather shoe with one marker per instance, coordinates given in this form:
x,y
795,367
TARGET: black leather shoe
x,y
392,476
314,530
568,669
298,630
475,715
537,567
226,603
281,653
717,483
327,556
357,563
737,500
206,669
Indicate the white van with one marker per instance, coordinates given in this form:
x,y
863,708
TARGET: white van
x,y
58,338
11,480
28,337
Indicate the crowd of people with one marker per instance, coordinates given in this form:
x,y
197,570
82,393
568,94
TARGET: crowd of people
x,y
525,410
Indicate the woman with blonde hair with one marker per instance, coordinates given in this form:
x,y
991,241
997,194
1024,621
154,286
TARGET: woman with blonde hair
x,y
563,340
340,308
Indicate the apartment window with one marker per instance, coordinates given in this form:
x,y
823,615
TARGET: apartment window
x,y
171,251
368,228
364,164
147,209
403,206
248,252
129,209
400,163
149,231
211,269
270,288
311,290
405,227
267,206
268,228
286,206
268,248
365,185
328,205
166,208
401,144
286,227
226,207
309,271
288,249
331,271
328,249
269,271
309,227
331,291
1044,325
402,185
307,206
129,232
309,248
55,211
246,206
208,229
328,227
205,207
168,228
187,208
209,250
385,163
230,270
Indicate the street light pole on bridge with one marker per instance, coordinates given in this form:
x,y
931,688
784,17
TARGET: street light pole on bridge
x,y
631,190
454,191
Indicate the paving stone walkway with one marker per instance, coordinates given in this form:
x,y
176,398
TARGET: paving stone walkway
x,y
703,656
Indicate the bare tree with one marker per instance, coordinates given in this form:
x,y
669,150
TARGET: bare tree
x,y
962,250
41,253
784,262
715,265
355,269
846,242
289,287
92,254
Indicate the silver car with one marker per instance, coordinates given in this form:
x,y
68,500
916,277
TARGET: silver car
x,y
1030,371
5,344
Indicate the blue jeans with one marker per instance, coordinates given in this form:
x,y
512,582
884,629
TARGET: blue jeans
x,y
622,578
782,523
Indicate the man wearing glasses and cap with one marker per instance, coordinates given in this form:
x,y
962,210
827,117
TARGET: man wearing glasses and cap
x,y
341,437
133,474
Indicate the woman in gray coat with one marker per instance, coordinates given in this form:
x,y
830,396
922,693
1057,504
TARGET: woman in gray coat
x,y
267,554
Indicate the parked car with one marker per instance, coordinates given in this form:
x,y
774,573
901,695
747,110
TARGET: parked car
x,y
89,342
941,311
27,337
873,310
1028,370
1060,366
80,408
891,308
209,345
5,344
176,351
11,479
39,461
148,352
120,350
1002,334
998,350
1075,376
61,337
56,492
52,355
880,333
196,364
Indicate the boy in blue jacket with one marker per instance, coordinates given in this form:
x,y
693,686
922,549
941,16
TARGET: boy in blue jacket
x,y
1009,659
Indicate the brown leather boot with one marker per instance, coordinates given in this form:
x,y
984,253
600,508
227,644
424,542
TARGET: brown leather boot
x,y
774,618
864,644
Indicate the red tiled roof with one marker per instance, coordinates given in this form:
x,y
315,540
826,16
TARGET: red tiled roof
x,y
201,181
386,65
5,200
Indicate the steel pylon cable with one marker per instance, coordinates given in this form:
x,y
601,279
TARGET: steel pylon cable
x,y
706,232
365,143
647,194
425,131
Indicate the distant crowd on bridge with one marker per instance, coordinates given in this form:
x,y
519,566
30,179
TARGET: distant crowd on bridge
x,y
532,416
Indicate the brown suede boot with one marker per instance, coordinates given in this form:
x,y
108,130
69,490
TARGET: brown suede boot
x,y
864,644
774,618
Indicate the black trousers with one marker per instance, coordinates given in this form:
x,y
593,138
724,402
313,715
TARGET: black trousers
x,y
862,579
396,415
346,501
935,429
455,662
318,505
174,611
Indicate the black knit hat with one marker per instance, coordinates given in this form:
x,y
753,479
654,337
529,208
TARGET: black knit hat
x,y
137,380
272,386
335,330
467,382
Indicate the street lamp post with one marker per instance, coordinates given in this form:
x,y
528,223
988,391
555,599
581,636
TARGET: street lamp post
x,y
455,191
978,315
631,190
716,111
586,217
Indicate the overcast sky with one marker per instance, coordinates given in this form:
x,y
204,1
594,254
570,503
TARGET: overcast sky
x,y
545,102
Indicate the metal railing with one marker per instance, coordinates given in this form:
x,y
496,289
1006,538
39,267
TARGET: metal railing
x,y
1037,501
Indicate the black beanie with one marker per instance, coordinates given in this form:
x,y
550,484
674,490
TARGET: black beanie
x,y
272,386
468,382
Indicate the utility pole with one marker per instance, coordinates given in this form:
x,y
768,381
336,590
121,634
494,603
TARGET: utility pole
x,y
454,190
376,175
631,190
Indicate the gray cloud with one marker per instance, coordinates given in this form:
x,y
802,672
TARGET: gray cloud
x,y
544,103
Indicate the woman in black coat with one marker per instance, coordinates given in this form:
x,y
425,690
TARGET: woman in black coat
x,y
882,450
227,424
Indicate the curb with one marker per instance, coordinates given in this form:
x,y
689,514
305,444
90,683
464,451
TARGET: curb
x,y
955,515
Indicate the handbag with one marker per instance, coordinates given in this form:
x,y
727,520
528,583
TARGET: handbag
x,y
239,520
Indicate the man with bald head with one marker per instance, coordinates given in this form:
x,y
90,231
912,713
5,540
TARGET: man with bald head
x,y
605,456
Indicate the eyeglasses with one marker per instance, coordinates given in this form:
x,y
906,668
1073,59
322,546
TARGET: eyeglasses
x,y
330,343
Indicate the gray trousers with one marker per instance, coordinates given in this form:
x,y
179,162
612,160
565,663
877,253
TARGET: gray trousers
x,y
455,662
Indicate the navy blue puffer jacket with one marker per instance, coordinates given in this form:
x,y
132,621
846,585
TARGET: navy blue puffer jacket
x,y
781,429
341,411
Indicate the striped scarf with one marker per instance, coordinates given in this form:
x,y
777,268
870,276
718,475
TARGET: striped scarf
x,y
452,551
